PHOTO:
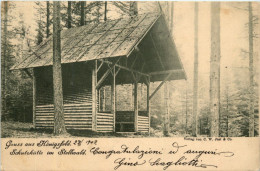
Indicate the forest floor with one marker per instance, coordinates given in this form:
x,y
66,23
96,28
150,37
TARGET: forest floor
x,y
25,130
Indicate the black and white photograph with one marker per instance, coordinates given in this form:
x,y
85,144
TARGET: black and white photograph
x,y
131,69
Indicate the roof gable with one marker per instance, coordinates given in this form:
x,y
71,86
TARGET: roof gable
x,y
94,41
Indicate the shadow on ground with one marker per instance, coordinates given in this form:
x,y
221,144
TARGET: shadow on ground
x,y
26,130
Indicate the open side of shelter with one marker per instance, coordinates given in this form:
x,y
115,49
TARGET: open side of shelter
x,y
131,51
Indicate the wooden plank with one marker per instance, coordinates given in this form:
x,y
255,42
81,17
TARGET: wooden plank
x,y
104,114
143,117
78,112
143,122
105,119
105,123
79,128
106,126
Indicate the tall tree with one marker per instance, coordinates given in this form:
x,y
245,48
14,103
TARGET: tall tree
x,y
167,113
3,65
69,14
133,8
105,12
59,123
42,14
215,69
47,19
39,33
251,70
82,13
195,78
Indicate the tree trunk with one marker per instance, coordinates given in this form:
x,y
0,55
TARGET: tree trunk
x,y
69,14
105,12
3,65
195,78
113,98
34,98
133,8
186,110
215,69
48,20
166,106
94,97
136,105
251,71
227,116
82,13
59,123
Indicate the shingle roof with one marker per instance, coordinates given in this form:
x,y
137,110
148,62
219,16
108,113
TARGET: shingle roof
x,y
94,41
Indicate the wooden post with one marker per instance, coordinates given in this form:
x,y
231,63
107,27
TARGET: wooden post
x,y
136,105
94,97
148,106
113,97
34,99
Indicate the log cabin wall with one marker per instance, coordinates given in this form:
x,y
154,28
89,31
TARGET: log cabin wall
x,y
77,97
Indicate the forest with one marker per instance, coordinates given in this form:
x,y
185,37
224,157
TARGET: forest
x,y
218,44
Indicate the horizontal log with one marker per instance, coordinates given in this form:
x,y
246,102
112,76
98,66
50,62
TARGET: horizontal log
x,y
44,115
104,114
140,129
77,118
66,123
142,122
65,105
142,125
104,126
142,117
44,119
80,128
105,131
77,112
105,120
105,123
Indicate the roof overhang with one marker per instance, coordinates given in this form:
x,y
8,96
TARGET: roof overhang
x,y
146,34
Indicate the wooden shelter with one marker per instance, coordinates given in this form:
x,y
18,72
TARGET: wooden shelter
x,y
136,50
